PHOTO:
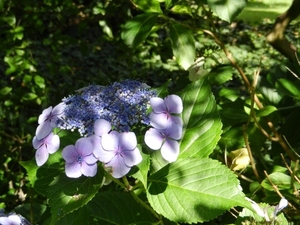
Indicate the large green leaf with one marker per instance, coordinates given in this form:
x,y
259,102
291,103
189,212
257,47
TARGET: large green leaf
x,y
148,6
183,45
68,194
138,28
118,208
194,190
202,124
65,194
227,9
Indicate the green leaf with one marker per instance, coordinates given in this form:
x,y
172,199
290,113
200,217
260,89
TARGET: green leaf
x,y
80,216
29,96
65,194
118,208
267,110
5,90
143,168
231,94
227,9
10,19
148,6
202,125
68,194
182,9
280,180
288,87
168,3
220,74
138,28
40,81
194,190
183,45
232,139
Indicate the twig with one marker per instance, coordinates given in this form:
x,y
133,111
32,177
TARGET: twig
x,y
279,138
250,154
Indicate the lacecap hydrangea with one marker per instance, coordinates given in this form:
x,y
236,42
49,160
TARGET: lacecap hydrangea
x,y
105,117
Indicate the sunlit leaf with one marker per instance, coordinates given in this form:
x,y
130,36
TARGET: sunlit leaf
x,y
183,45
227,9
194,190
148,6
138,28
265,111
202,125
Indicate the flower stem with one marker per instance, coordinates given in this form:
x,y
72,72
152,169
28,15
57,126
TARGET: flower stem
x,y
138,200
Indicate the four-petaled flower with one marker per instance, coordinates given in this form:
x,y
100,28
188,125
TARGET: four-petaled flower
x,y
163,109
47,120
119,152
166,140
44,147
80,159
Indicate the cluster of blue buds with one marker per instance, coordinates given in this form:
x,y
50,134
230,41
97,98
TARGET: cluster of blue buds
x,y
105,118
123,104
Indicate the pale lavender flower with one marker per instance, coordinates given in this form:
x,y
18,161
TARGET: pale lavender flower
x,y
119,152
281,205
101,127
80,159
48,120
47,145
163,111
10,220
166,140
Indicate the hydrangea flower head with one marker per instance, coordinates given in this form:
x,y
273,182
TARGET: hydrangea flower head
x,y
166,140
47,145
80,159
122,104
119,152
48,120
163,111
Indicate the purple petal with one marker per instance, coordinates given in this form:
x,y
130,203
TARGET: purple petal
x,y
119,169
170,150
174,131
41,156
36,142
88,170
73,170
58,109
110,141
70,154
132,158
96,142
158,105
153,139
45,115
174,104
43,130
90,159
101,127
52,145
84,146
127,141
159,120
104,155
